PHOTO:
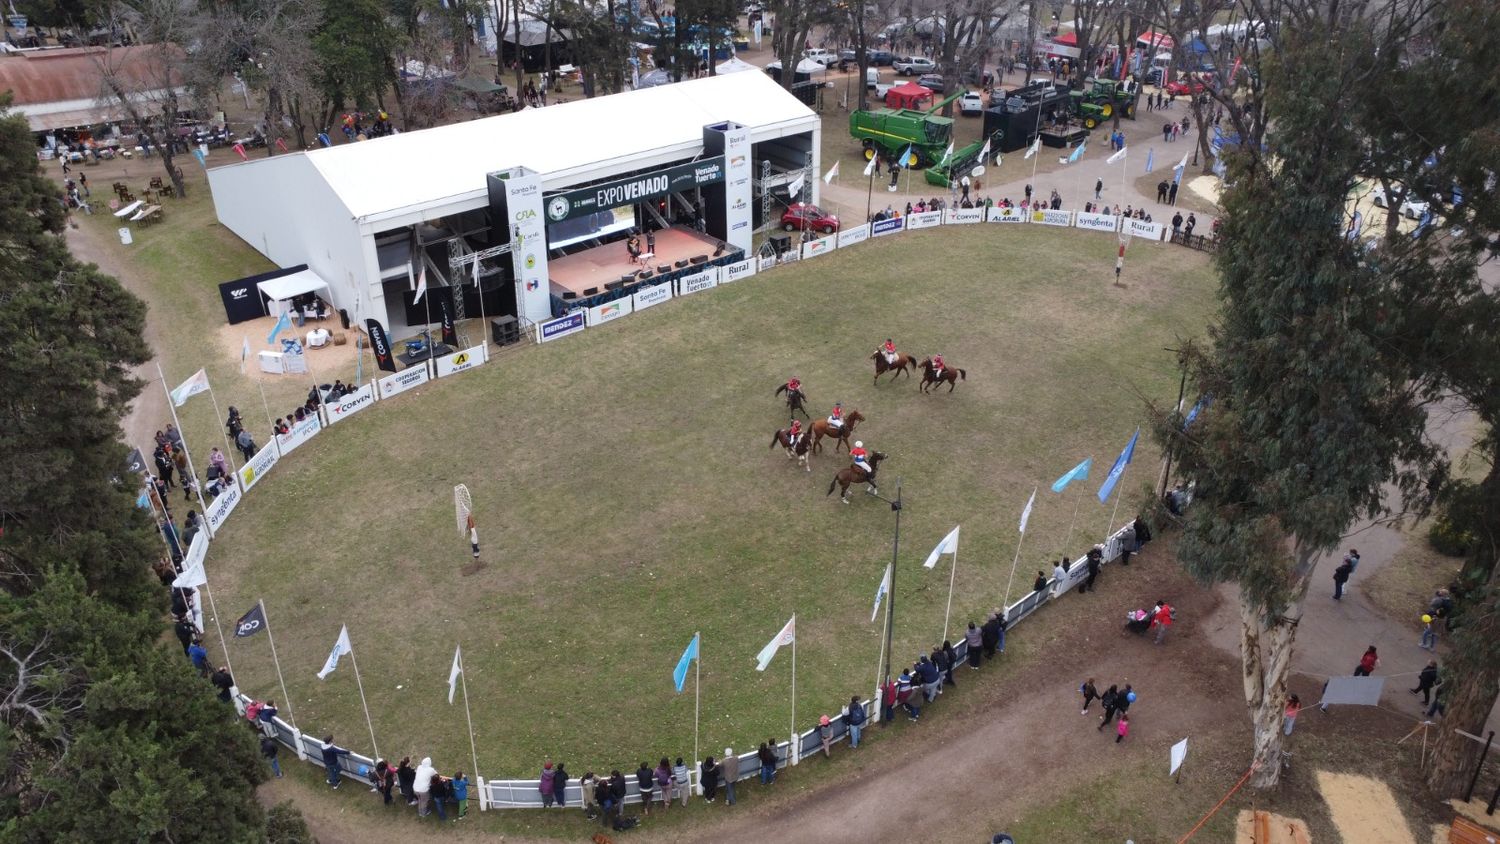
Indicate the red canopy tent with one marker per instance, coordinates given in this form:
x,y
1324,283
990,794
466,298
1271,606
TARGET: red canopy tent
x,y
1069,38
1153,40
908,95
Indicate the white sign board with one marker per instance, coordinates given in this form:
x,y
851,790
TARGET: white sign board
x,y
1096,222
643,299
924,220
1179,753
1006,215
1049,217
351,404
301,432
461,361
399,382
767,262
609,311
963,216
734,272
220,508
259,465
697,282
561,327
1148,231
890,225
814,248
858,234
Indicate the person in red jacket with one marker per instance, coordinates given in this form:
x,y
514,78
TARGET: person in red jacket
x,y
1161,619
889,350
794,433
937,366
861,460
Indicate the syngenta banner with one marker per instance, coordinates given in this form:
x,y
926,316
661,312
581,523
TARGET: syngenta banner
x,y
577,203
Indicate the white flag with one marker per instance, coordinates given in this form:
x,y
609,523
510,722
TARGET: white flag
x,y
453,672
1117,156
421,283
193,574
244,354
949,545
984,152
885,586
832,171
476,272
870,168
191,387
948,153
1183,163
795,188
1026,514
1035,145
787,635
340,648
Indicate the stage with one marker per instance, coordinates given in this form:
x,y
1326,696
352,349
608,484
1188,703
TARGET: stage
x,y
603,268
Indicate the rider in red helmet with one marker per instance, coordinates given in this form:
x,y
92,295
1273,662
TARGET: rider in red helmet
x,y
889,350
794,433
937,366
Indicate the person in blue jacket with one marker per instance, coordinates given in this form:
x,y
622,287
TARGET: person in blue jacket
x,y
331,754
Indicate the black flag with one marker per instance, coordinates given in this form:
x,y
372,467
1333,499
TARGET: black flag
x,y
445,310
381,345
250,623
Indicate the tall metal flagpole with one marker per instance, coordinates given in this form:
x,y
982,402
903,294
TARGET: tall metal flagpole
x,y
795,750
484,323
1036,156
880,661
223,643
284,696
953,575
265,405
1006,604
197,487
698,681
1077,500
368,723
890,616
223,429
463,677
1112,513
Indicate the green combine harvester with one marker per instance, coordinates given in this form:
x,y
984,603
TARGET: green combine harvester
x,y
890,132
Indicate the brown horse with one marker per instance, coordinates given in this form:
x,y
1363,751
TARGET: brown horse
x,y
794,400
903,360
950,376
820,429
844,477
801,452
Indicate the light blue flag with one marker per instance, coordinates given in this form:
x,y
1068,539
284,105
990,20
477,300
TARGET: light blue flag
x,y
1078,153
1077,473
281,325
1150,159
202,159
144,501
1198,408
905,161
679,674
1118,469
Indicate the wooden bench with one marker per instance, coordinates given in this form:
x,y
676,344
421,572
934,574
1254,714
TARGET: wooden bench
x,y
1465,831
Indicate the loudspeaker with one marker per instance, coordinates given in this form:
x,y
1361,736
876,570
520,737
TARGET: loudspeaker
x,y
720,250
681,264
781,243
569,295
344,318
698,259
504,330
616,285
592,291
663,268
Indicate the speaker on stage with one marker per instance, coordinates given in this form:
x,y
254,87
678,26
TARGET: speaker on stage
x,y
781,243
720,250
698,259
504,330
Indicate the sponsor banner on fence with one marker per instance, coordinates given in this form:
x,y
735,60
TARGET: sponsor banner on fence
x,y
220,508
1050,217
698,282
736,271
402,381
461,361
643,299
858,234
880,228
814,248
600,314
560,327
258,466
300,433
1149,231
351,404
1096,222
767,262
924,220
963,216
1006,215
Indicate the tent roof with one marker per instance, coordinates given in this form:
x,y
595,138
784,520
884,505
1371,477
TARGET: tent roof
x,y
292,285
1070,38
734,64
566,143
911,89
1159,40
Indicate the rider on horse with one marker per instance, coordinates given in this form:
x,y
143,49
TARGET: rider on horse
x,y
836,418
889,350
793,386
937,366
859,454
794,433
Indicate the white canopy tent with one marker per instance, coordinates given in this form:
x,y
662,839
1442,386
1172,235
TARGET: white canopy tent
x,y
280,291
733,64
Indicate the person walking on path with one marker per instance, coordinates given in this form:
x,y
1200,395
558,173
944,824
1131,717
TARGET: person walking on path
x,y
1439,696
1110,697
1172,194
269,748
1340,577
729,770
1122,729
547,784
708,775
1089,694
1098,188
1367,663
1429,633
1425,681
1162,620
1289,716
1161,191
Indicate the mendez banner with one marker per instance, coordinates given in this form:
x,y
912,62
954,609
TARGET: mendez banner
x,y
402,381
858,234
924,220
220,508
643,299
300,433
881,228
259,465
560,327
1096,222
682,178
814,248
461,361
1006,215
350,404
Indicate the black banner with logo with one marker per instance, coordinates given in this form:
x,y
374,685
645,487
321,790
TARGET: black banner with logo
x,y
380,345
628,191
445,314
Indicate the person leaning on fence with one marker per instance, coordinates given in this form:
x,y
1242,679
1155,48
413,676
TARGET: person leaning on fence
x,y
438,789
560,785
946,659
459,786
708,775
974,639
855,720
617,791
590,797
406,778
664,782
1040,585
681,781
331,754
825,735
729,770
904,690
767,756
546,784
645,781
422,786
385,780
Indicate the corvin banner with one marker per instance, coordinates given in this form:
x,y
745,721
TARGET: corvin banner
x,y
576,203
959,216
351,404
380,345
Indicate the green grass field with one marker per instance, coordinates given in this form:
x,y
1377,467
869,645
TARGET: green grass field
x,y
627,498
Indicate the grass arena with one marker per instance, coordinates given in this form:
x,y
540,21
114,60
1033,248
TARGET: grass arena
x,y
626,499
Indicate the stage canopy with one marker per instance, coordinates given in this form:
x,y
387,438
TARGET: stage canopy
x,y
291,286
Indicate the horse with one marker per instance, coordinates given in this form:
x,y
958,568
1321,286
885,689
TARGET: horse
x,y
803,450
794,400
903,360
820,429
951,375
844,477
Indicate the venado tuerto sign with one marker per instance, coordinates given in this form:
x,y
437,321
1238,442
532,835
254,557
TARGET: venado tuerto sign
x,y
577,203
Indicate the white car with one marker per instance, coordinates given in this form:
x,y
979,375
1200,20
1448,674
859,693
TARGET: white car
x,y
1411,209
821,56
971,103
914,65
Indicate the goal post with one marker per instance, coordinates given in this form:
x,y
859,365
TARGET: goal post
x,y
463,507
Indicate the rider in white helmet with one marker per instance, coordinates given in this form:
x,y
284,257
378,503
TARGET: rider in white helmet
x,y
860,462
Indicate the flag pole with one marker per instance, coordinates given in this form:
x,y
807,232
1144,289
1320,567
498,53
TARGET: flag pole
x,y
1116,510
368,723
223,643
284,696
952,576
197,487
880,662
697,686
1076,501
265,405
223,429
463,677
795,750
1013,562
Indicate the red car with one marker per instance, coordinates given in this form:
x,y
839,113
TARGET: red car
x,y
1187,86
801,216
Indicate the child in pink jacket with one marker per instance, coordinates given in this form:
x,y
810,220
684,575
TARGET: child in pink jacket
x,y
1122,727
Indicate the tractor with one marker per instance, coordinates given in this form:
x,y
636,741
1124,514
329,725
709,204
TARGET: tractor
x,y
892,132
1102,98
